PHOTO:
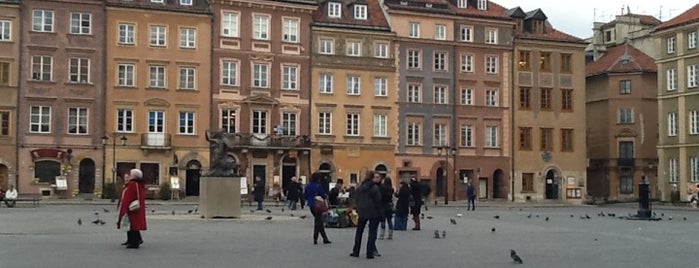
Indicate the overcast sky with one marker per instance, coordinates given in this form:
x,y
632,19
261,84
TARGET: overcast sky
x,y
576,16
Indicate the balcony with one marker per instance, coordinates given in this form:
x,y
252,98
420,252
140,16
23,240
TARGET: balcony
x,y
625,162
158,141
266,141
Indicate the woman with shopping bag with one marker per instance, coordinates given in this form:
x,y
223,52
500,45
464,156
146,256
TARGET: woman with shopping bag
x,y
132,208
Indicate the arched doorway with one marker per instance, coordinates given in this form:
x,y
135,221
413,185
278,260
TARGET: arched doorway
x,y
440,181
289,167
498,184
381,169
325,169
4,174
192,180
552,184
86,176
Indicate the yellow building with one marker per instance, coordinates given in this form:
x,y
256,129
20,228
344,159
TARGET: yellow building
x,y
9,75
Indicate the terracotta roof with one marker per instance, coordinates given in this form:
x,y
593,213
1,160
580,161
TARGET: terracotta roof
x,y
613,61
493,11
646,19
375,16
198,6
551,34
689,16
450,7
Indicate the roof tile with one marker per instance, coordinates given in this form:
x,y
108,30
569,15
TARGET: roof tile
x,y
375,15
611,62
689,16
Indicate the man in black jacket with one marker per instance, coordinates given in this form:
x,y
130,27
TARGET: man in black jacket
x,y
369,210
416,191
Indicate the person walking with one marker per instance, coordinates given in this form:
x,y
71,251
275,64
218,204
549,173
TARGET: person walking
x,y
314,189
402,206
134,190
10,196
416,191
471,194
369,210
387,204
259,192
292,193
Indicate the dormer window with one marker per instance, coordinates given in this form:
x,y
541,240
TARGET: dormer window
x,y
334,10
186,2
156,1
482,4
462,3
360,12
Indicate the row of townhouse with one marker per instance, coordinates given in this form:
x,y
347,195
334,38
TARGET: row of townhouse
x,y
448,91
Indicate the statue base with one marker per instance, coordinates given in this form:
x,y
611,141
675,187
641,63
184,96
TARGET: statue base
x,y
219,197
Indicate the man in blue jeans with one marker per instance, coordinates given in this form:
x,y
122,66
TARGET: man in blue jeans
x,y
369,209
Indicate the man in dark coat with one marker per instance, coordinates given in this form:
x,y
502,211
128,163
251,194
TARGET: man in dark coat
x,y
416,191
259,192
293,193
369,209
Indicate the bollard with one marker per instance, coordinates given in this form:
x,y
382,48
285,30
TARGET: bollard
x,y
644,210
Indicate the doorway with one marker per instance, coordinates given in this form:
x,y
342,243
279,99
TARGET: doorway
x,y
440,181
260,171
288,171
551,185
4,176
482,188
193,175
86,176
498,184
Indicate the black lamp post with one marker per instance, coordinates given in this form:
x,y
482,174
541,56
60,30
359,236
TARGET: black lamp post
x,y
123,140
447,152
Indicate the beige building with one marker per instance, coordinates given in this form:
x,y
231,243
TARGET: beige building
x,y
354,90
630,28
549,154
158,90
9,89
678,104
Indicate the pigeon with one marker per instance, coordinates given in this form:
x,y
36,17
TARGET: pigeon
x,y
269,218
80,221
196,210
291,215
95,222
571,215
662,214
515,257
595,239
97,213
537,215
282,209
190,211
422,216
105,210
302,216
529,216
436,234
459,215
587,216
684,218
426,208
669,218
429,217
152,211
101,222
252,211
444,234
269,211
492,230
547,219
453,221
173,212
496,217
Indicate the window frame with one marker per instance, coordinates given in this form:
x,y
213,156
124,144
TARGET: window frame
x,y
414,93
124,120
692,76
414,29
492,137
81,120
188,38
546,139
693,117
334,10
381,50
5,31
671,80
186,125
126,33
380,86
228,120
525,138
354,48
45,20
491,64
354,85
42,124
467,96
672,124
441,93
466,136
290,123
467,63
414,61
187,78
158,38
325,44
692,40
230,76
491,36
413,134
45,69
260,74
380,125
80,20
230,21
82,70
440,32
491,98
440,61
441,136
259,121
129,77
466,33
326,83
157,76
352,124
325,123
290,77
671,44
625,86
260,29
290,30
360,12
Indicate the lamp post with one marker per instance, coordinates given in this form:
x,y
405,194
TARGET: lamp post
x,y
123,140
447,152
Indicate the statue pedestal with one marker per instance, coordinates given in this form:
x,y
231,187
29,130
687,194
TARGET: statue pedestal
x,y
219,197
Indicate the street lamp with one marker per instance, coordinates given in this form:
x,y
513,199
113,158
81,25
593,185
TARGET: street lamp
x,y
123,140
447,152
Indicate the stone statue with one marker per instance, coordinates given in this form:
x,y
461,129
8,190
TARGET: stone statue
x,y
221,166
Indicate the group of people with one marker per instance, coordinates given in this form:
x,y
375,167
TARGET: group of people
x,y
292,194
9,196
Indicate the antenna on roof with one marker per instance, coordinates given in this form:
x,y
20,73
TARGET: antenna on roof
x,y
628,9
660,13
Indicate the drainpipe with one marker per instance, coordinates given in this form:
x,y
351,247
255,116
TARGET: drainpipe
x,y
512,113
19,100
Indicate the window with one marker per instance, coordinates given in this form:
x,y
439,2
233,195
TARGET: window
x,y
440,61
466,136
187,77
229,24
40,119
259,122
4,123
5,30
4,73
440,135
380,86
566,99
80,23
466,63
188,37
158,36
42,21
42,68
491,98
692,40
290,77
124,120
80,70
414,30
525,138
324,123
692,73
673,170
360,12
77,121
527,182
289,123
229,73
156,121
413,59
491,36
672,124
157,76
186,2
546,139
625,116
334,10
186,124
545,62
525,98
694,168
566,63
491,137
413,134
546,99
626,150
326,83
414,93
156,1
440,32
380,125
354,48
466,96
609,35
524,62
567,140
693,122
228,120
291,30
626,184
671,79
126,75
462,4
482,4
126,34
440,94
353,86
327,46
352,124
260,73
466,33
491,65
381,50
670,45
260,27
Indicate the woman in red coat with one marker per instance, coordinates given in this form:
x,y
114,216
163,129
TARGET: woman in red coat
x,y
135,189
